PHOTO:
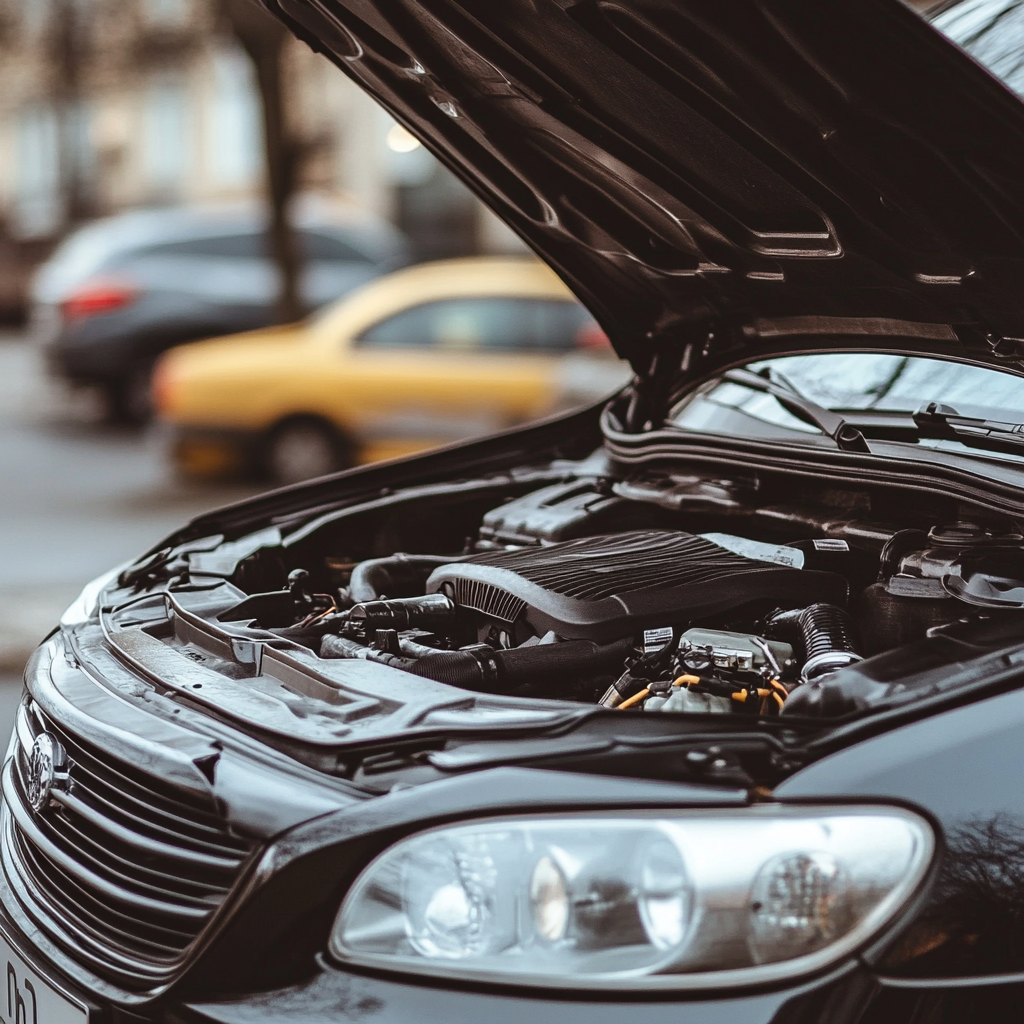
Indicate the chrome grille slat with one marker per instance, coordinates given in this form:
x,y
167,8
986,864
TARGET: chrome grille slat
x,y
140,843
120,871
92,774
52,851
51,918
99,921
166,825
108,824
127,872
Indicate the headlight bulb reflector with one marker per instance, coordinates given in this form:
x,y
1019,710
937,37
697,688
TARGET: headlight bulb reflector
x,y
801,902
549,901
689,899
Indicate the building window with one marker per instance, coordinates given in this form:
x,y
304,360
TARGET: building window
x,y
234,127
34,16
38,200
165,13
165,152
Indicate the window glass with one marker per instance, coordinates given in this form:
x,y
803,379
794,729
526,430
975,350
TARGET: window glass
x,y
166,135
249,245
495,324
849,382
322,246
37,181
991,31
256,245
234,128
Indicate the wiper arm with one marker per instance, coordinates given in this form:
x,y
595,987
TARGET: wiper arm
x,y
846,436
936,420
933,419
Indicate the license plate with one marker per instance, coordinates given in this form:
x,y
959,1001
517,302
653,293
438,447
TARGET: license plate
x,y
29,999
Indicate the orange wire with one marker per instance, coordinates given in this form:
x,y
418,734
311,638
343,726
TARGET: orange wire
x,y
635,699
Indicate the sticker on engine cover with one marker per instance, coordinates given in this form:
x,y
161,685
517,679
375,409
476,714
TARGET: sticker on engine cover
x,y
758,550
655,639
830,544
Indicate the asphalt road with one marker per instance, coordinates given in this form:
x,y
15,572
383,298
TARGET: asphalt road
x,y
77,497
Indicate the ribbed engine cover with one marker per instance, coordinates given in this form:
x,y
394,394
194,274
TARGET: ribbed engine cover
x,y
603,588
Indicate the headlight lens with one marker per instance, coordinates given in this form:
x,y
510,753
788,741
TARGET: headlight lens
x,y
688,899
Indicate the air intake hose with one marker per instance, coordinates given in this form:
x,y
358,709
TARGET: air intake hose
x,y
488,669
824,633
434,612
485,668
396,576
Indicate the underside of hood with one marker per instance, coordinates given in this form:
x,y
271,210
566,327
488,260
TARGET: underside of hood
x,y
713,179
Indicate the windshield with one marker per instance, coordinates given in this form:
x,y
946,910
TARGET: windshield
x,y
991,31
848,382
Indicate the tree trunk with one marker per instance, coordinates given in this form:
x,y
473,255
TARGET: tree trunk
x,y
65,45
264,41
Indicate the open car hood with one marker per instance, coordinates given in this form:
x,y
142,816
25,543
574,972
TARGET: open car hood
x,y
721,179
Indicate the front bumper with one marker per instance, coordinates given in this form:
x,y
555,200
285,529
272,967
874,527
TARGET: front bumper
x,y
332,996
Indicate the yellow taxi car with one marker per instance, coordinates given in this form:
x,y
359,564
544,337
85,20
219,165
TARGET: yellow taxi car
x,y
424,356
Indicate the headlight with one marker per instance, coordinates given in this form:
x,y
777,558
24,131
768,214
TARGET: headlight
x,y
688,899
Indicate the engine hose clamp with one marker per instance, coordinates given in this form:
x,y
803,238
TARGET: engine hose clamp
x,y
827,662
484,655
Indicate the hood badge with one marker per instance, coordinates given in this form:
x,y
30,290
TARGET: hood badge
x,y
47,770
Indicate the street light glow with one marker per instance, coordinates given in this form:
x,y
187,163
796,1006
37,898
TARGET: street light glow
x,y
400,140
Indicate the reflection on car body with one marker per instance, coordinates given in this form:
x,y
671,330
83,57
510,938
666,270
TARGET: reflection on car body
x,y
703,702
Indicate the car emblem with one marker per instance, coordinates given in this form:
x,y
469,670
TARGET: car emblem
x,y
47,770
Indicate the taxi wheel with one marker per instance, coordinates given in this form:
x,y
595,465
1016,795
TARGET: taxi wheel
x,y
302,449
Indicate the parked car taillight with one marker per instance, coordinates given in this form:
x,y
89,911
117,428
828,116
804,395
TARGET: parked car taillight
x,y
100,295
161,387
591,338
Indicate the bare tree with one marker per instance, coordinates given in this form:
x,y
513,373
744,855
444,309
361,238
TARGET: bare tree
x,y
264,40
67,46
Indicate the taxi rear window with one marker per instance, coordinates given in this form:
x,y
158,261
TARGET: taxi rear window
x,y
483,324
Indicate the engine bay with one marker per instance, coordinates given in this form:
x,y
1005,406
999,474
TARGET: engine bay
x,y
658,593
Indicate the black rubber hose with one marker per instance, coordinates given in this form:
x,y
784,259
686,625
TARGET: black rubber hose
x,y
824,635
434,612
485,668
398,575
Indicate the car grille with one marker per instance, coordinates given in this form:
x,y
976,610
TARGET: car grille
x,y
122,872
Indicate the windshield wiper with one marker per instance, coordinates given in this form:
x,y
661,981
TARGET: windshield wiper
x,y
932,420
846,436
943,422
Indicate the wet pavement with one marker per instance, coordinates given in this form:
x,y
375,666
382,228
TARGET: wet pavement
x,y
77,497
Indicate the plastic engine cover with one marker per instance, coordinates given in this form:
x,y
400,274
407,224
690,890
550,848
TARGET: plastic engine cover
x,y
607,587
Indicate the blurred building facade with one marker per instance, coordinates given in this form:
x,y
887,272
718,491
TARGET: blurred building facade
x,y
111,104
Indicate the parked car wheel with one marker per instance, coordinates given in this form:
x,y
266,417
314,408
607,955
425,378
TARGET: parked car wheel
x,y
128,398
302,449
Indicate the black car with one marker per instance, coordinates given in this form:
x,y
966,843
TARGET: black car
x,y
705,704
120,291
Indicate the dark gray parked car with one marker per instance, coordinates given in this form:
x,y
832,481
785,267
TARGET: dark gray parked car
x,y
120,291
